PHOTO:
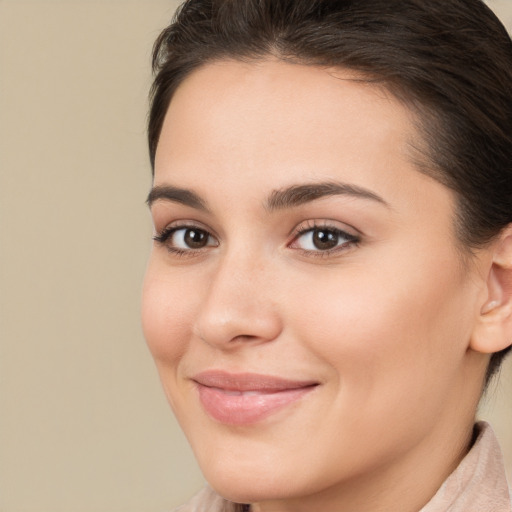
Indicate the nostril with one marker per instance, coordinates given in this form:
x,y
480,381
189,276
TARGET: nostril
x,y
234,311
245,338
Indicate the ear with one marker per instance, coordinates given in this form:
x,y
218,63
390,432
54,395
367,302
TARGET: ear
x,y
493,331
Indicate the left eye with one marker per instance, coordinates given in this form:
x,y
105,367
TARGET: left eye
x,y
323,239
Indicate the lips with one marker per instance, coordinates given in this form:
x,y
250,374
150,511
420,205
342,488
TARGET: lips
x,y
247,398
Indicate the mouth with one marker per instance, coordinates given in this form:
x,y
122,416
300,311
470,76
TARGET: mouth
x,y
247,398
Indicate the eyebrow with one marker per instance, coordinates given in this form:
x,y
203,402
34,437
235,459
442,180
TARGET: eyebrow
x,y
297,195
281,199
178,195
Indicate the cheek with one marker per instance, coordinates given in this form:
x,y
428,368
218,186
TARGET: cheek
x,y
166,316
386,331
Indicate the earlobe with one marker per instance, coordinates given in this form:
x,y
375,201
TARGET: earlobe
x,y
493,331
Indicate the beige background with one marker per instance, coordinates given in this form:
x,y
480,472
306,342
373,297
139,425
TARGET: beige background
x,y
84,426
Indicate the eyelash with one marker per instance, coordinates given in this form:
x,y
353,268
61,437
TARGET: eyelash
x,y
163,237
312,226
351,240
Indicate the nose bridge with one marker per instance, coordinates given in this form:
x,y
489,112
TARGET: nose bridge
x,y
238,305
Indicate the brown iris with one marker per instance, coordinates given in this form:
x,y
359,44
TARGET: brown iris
x,y
196,238
324,239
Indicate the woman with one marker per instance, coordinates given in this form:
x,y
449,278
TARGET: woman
x,y
330,286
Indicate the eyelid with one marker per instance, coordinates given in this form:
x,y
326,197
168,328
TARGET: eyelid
x,y
184,224
328,225
335,225
351,235
162,236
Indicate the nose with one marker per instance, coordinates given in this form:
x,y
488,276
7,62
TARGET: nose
x,y
238,306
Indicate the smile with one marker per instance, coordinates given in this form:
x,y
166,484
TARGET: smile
x,y
244,399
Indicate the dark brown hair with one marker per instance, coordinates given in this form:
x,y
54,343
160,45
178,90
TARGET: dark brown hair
x,y
450,61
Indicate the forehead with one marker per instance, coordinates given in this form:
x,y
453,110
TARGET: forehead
x,y
250,128
243,107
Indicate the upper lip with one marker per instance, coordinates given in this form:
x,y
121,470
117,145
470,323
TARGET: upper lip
x,y
248,381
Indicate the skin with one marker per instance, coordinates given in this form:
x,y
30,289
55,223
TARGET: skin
x,y
385,326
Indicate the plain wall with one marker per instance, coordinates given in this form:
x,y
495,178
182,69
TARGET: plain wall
x,y
84,426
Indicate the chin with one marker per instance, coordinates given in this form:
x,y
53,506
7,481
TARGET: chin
x,y
254,480
250,488
248,481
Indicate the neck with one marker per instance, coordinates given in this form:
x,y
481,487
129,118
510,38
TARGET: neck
x,y
410,479
406,485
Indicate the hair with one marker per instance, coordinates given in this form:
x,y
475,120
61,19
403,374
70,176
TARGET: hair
x,y
449,61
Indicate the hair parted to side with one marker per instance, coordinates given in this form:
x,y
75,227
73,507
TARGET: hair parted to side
x,y
450,61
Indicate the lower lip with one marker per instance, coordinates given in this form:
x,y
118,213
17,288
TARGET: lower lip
x,y
233,409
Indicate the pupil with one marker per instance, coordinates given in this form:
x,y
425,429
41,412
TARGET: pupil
x,y
196,239
323,239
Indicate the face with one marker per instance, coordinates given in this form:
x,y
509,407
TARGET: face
x,y
305,300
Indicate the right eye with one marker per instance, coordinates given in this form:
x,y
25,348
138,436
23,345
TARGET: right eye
x,y
180,239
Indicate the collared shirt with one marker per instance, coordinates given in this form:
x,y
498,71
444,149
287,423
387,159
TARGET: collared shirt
x,y
478,484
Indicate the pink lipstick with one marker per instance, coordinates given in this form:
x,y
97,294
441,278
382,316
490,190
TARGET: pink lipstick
x,y
246,398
